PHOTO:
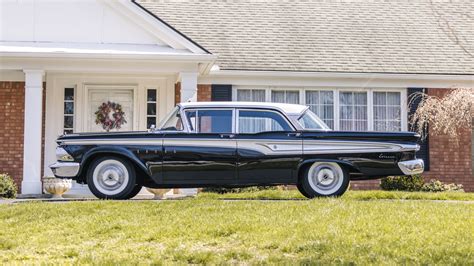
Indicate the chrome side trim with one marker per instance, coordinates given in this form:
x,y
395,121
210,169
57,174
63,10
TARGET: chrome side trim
x,y
331,147
113,141
272,147
196,142
412,167
264,146
65,169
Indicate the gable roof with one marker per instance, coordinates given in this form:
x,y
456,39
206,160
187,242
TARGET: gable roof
x,y
328,36
117,28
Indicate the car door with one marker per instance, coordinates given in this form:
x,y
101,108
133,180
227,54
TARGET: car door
x,y
268,147
205,156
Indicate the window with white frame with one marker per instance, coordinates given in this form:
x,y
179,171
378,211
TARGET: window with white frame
x,y
353,111
387,111
151,108
68,126
285,96
251,95
341,109
322,104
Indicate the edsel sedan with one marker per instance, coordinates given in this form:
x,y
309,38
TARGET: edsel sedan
x,y
234,144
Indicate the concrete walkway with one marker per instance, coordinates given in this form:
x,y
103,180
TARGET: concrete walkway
x,y
48,198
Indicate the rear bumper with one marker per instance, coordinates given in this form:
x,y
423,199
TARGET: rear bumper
x,y
65,169
412,167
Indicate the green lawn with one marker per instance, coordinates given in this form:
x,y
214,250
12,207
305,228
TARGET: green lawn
x,y
356,195
352,229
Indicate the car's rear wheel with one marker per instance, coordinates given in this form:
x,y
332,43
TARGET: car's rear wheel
x,y
324,179
111,177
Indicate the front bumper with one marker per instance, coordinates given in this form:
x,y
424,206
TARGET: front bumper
x,y
412,167
65,169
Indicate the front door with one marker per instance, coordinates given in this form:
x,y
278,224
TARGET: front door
x,y
205,157
122,97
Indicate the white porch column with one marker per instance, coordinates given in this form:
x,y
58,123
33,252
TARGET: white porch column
x,y
188,94
31,183
188,86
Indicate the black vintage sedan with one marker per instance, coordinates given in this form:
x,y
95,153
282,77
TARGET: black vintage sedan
x,y
234,144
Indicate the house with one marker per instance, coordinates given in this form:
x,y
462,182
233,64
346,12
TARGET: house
x,y
354,63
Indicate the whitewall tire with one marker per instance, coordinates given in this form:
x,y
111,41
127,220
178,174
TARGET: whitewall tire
x,y
324,179
112,177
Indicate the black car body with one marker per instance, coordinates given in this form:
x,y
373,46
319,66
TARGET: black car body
x,y
235,144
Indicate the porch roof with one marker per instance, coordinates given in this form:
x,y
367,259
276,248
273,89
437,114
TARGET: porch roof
x,y
329,36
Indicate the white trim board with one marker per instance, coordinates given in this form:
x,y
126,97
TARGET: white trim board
x,y
335,80
154,26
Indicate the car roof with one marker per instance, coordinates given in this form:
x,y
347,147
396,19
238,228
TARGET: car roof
x,y
289,109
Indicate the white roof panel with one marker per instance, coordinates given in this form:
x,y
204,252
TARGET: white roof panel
x,y
289,109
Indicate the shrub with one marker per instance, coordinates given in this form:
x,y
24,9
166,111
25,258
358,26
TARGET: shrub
x,y
438,186
404,183
223,190
7,187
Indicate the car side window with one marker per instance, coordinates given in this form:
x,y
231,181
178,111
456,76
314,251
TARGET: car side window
x,y
255,121
210,121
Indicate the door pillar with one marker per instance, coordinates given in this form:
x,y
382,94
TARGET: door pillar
x,y
33,122
188,94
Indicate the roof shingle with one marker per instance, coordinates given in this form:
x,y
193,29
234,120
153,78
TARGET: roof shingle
x,y
329,36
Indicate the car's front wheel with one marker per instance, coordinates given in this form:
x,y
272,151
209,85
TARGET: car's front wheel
x,y
324,179
112,177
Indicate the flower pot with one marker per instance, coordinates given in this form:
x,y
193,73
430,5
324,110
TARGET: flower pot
x,y
56,186
158,192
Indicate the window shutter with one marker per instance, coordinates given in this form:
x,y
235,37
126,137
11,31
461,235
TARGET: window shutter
x,y
424,152
221,92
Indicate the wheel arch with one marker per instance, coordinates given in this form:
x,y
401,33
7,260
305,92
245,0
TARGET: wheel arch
x,y
123,153
304,165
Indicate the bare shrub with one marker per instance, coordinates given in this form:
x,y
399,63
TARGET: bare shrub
x,y
446,115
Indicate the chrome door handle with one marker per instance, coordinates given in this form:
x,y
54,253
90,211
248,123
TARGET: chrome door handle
x,y
295,134
227,136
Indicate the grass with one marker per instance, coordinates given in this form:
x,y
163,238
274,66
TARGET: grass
x,y
354,229
354,195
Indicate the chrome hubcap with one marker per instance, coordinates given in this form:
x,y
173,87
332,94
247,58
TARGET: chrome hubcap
x,y
110,177
325,178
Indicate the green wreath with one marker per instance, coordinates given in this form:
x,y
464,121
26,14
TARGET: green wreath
x,y
110,115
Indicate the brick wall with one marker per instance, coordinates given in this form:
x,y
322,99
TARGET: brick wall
x,y
203,93
12,100
177,93
448,162
12,106
365,185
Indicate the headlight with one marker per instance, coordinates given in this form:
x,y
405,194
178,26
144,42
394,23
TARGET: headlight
x,y
62,155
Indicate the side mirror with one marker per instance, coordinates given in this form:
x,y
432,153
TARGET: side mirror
x,y
152,128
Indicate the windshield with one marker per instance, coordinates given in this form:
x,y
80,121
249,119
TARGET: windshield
x,y
172,122
310,120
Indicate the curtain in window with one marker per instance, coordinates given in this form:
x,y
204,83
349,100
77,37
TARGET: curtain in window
x,y
286,96
261,121
251,95
353,111
251,124
322,104
387,111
